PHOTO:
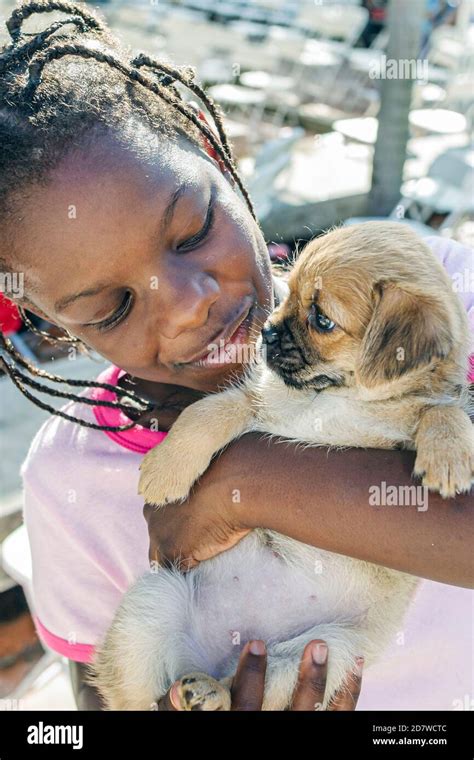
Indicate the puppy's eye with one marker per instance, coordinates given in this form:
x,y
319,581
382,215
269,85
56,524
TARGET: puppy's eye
x,y
319,321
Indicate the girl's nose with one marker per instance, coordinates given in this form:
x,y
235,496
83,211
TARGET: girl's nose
x,y
185,303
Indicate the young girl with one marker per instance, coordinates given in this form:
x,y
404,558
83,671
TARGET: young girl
x,y
126,214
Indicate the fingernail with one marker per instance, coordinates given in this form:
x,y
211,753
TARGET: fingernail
x,y
359,665
319,653
257,647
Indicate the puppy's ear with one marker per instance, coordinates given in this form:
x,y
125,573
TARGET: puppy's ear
x,y
405,331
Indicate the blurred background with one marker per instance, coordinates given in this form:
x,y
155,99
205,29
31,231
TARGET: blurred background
x,y
338,111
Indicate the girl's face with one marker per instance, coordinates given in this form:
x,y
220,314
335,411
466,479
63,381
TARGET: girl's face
x,y
149,257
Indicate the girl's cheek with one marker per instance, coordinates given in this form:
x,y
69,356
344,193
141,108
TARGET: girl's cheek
x,y
234,240
234,255
249,238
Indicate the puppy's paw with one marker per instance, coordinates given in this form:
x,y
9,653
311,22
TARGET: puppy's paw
x,y
168,472
198,691
164,477
446,468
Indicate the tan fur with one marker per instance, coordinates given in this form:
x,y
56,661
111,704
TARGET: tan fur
x,y
391,373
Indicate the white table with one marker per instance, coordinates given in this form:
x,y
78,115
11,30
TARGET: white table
x,y
438,121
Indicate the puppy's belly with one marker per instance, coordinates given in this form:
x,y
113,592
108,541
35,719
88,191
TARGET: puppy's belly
x,y
250,592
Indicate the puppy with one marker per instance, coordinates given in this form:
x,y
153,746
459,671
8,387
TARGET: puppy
x,y
370,348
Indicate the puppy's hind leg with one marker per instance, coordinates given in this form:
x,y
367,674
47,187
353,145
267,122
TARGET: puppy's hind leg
x,y
142,651
198,691
344,645
202,429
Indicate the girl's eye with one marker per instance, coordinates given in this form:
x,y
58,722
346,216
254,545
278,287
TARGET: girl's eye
x,y
117,316
319,321
196,239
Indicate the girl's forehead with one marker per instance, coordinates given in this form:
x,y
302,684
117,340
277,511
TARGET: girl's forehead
x,y
98,205
106,185
134,167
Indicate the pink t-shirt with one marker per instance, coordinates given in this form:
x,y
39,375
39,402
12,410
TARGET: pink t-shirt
x,y
89,543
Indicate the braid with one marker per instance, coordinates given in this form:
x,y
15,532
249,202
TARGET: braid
x,y
63,394
187,78
24,11
41,115
46,336
7,347
55,52
13,54
18,380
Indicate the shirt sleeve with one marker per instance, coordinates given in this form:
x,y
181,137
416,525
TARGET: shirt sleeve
x,y
458,260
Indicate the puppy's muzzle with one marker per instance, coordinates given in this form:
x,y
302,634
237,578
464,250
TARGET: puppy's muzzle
x,y
296,366
282,353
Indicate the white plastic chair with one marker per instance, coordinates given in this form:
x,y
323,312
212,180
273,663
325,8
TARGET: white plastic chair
x,y
342,21
15,558
270,162
447,187
459,225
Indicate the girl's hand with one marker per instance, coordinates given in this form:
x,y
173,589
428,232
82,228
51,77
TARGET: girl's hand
x,y
207,523
249,682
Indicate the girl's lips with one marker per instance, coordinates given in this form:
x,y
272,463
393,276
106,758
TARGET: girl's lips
x,y
228,351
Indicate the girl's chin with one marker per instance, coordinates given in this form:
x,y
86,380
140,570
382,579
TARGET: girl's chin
x,y
207,379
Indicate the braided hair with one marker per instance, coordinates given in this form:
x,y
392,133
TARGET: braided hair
x,y
60,88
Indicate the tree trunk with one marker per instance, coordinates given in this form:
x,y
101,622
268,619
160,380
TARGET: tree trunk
x,y
405,18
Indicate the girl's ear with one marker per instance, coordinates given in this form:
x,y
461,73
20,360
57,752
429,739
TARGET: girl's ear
x,y
67,337
406,330
36,311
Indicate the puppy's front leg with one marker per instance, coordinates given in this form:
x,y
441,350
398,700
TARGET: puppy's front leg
x,y
169,470
445,450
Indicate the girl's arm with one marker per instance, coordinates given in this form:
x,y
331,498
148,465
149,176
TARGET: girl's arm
x,y
325,499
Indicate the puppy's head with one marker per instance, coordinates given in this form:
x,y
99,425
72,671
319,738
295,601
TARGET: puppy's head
x,y
368,305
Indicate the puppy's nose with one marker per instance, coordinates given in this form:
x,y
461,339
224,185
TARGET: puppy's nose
x,y
271,342
270,334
